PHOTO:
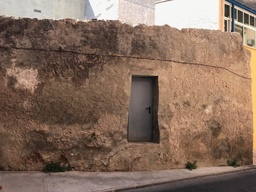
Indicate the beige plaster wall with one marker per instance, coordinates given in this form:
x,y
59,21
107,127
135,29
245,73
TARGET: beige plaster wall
x,y
65,89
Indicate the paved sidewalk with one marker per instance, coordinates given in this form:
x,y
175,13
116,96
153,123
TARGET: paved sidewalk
x,y
98,181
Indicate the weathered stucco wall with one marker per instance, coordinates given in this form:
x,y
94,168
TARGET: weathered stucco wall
x,y
65,90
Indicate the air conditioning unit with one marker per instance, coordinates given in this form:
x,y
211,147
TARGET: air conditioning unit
x,y
250,42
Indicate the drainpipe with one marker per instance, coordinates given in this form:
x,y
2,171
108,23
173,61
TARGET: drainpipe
x,y
233,18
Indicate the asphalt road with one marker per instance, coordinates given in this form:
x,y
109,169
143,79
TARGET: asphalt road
x,y
244,181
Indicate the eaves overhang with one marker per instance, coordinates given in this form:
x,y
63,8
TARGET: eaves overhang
x,y
242,6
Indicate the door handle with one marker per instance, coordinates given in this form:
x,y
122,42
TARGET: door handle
x,y
149,109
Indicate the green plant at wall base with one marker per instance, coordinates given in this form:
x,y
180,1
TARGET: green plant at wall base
x,y
55,167
191,165
232,163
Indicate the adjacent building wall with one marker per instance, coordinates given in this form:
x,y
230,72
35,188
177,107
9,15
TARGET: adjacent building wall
x,y
253,74
74,9
132,12
65,92
102,10
136,12
188,14
43,9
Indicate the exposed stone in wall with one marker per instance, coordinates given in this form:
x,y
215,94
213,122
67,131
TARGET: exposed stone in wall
x,y
65,90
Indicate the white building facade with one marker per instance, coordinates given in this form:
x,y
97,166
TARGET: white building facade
x,y
188,14
43,9
132,12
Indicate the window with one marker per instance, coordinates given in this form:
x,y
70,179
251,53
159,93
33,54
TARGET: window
x,y
240,16
252,19
227,17
227,25
227,10
246,18
249,37
245,23
239,29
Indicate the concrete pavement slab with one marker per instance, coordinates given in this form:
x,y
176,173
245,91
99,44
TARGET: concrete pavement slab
x,y
98,181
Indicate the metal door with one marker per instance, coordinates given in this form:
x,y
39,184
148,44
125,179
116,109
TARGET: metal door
x,y
140,111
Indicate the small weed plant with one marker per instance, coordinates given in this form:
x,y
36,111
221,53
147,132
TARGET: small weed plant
x,y
55,167
191,165
232,163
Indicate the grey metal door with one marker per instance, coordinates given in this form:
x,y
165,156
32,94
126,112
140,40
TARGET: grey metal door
x,y
140,111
